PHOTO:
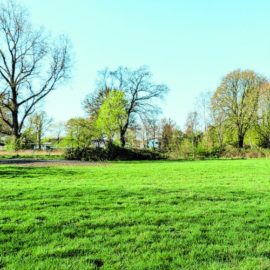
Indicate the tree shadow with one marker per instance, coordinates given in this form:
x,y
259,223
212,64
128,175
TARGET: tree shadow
x,y
27,172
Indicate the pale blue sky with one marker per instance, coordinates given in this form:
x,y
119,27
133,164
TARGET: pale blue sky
x,y
189,45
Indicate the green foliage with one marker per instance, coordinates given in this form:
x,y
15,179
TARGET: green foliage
x,y
14,144
235,101
186,149
80,132
112,114
136,215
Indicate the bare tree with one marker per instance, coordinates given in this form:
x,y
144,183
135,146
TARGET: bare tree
x,y
58,130
140,92
203,103
237,99
151,130
30,65
39,123
168,128
192,129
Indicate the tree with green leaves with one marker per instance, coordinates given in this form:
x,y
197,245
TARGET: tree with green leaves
x,y
236,99
141,94
112,114
263,123
79,132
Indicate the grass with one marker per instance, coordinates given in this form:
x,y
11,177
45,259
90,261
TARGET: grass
x,y
137,215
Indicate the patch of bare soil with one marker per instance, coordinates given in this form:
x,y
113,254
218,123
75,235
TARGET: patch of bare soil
x,y
49,163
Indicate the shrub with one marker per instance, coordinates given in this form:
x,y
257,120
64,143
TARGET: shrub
x,y
252,152
112,152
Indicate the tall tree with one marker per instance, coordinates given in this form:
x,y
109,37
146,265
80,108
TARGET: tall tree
x,y
31,65
168,128
139,89
237,99
150,130
192,128
203,105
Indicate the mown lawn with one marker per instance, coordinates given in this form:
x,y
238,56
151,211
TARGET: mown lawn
x,y
140,215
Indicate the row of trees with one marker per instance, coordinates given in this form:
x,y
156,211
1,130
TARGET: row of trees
x,y
124,108
32,65
237,113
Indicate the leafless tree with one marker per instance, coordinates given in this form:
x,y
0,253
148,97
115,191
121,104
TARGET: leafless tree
x,y
58,130
203,103
151,130
140,91
39,123
192,129
168,128
31,66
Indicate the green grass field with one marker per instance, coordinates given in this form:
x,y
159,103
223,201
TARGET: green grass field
x,y
138,215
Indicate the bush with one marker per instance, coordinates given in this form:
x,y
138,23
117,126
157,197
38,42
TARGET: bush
x,y
213,152
112,152
252,152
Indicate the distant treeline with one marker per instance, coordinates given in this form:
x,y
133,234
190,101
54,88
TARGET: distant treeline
x,y
123,110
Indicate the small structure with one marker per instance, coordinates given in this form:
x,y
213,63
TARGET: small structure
x,y
43,146
153,143
99,143
2,146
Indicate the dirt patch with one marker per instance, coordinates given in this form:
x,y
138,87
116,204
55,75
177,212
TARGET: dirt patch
x,y
49,163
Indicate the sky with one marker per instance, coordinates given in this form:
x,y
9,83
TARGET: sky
x,y
190,45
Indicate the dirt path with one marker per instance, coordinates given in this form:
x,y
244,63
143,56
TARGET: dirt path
x,y
48,163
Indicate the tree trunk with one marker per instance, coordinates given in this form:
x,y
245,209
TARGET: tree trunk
x,y
15,130
240,140
122,137
39,141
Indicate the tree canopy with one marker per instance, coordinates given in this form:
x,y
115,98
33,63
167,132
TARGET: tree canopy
x,y
141,94
237,99
112,114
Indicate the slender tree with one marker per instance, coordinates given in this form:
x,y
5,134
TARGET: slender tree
x,y
168,128
31,66
39,124
192,128
151,131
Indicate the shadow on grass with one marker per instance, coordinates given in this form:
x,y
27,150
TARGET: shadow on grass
x,y
26,172
177,160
